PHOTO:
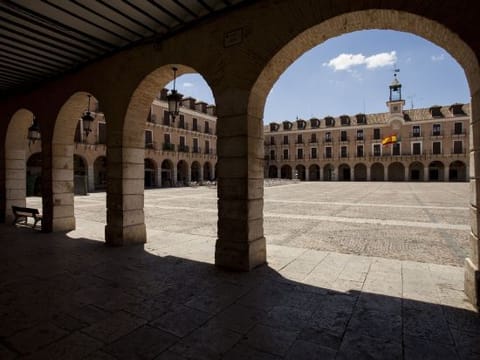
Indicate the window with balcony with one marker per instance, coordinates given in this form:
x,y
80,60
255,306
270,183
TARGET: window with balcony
x,y
299,139
377,150
360,151
195,124
313,138
181,121
437,147
396,149
343,135
166,118
458,147
360,135
182,146
207,147
328,136
207,127
285,139
167,143
328,152
458,128
272,140
436,130
300,154
196,148
376,134
416,131
149,139
313,153
272,154
343,152
285,154
417,148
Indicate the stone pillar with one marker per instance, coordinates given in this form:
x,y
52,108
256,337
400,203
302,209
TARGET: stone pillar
x,y
279,172
385,173
307,174
212,172
200,172
189,173
125,216
15,182
241,242
91,178
425,174
406,173
472,273
369,173
174,175
446,172
159,177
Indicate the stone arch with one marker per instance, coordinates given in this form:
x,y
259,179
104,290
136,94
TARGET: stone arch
x,y
344,173
329,172
207,171
314,172
436,171
377,172
360,172
150,173
300,172
415,171
15,162
182,172
100,173
196,172
396,172
168,173
34,174
80,175
457,171
272,172
286,172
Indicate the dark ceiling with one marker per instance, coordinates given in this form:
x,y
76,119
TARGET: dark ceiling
x,y
41,39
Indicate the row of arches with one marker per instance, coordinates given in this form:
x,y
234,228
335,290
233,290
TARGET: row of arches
x,y
396,171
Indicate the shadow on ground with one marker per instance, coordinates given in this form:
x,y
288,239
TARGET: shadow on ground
x,y
65,298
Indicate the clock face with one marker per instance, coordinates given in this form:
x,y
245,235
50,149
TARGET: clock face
x,y
396,124
395,108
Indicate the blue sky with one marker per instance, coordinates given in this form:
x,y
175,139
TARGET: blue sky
x,y
350,74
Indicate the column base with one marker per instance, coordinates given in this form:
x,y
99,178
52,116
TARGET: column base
x,y
63,224
241,256
472,283
129,235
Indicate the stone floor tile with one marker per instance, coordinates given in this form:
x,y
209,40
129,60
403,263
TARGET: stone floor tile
x,y
181,320
356,346
170,355
73,347
304,350
216,299
333,312
7,354
143,343
99,355
321,337
114,327
243,352
467,344
288,317
271,340
376,324
462,319
28,341
416,349
238,318
89,314
208,342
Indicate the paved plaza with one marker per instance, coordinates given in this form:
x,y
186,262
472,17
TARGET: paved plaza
x,y
355,270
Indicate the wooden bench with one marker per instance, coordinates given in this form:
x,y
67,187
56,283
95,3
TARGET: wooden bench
x,y
23,213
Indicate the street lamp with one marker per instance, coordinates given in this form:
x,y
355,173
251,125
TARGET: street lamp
x,y
87,119
33,131
174,98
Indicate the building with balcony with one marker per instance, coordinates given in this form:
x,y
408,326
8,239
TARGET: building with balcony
x,y
177,151
429,144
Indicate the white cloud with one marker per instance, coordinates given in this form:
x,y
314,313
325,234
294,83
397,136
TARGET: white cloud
x,y
437,58
188,84
346,61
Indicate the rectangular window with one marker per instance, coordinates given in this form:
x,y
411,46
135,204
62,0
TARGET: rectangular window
x,y
148,139
437,147
272,140
313,138
285,139
272,154
328,152
207,147
343,135
181,122
78,132
416,131
166,138
166,118
360,151
299,153
196,148
359,134
207,127
299,139
343,151
285,154
396,149
102,133
417,148
182,140
194,124
458,147
328,136
377,150
458,128
376,134
436,130
314,153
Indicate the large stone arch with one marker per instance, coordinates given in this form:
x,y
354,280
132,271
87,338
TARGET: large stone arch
x,y
396,172
457,171
272,172
300,172
15,161
100,173
360,172
416,171
150,173
344,172
377,172
168,173
314,172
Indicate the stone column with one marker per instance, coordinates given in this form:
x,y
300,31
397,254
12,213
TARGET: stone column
x,y
200,172
406,174
241,242
189,173
320,173
91,178
307,175
369,173
472,273
159,177
174,175
15,182
425,173
446,172
385,173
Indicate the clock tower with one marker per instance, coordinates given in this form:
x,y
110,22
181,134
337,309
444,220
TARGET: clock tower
x,y
395,103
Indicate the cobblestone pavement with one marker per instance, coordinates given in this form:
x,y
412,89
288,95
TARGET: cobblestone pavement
x,y
67,296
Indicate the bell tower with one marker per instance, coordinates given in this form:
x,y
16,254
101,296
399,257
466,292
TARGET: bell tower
x,y
395,103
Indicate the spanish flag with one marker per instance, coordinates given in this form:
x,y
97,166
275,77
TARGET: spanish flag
x,y
392,139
